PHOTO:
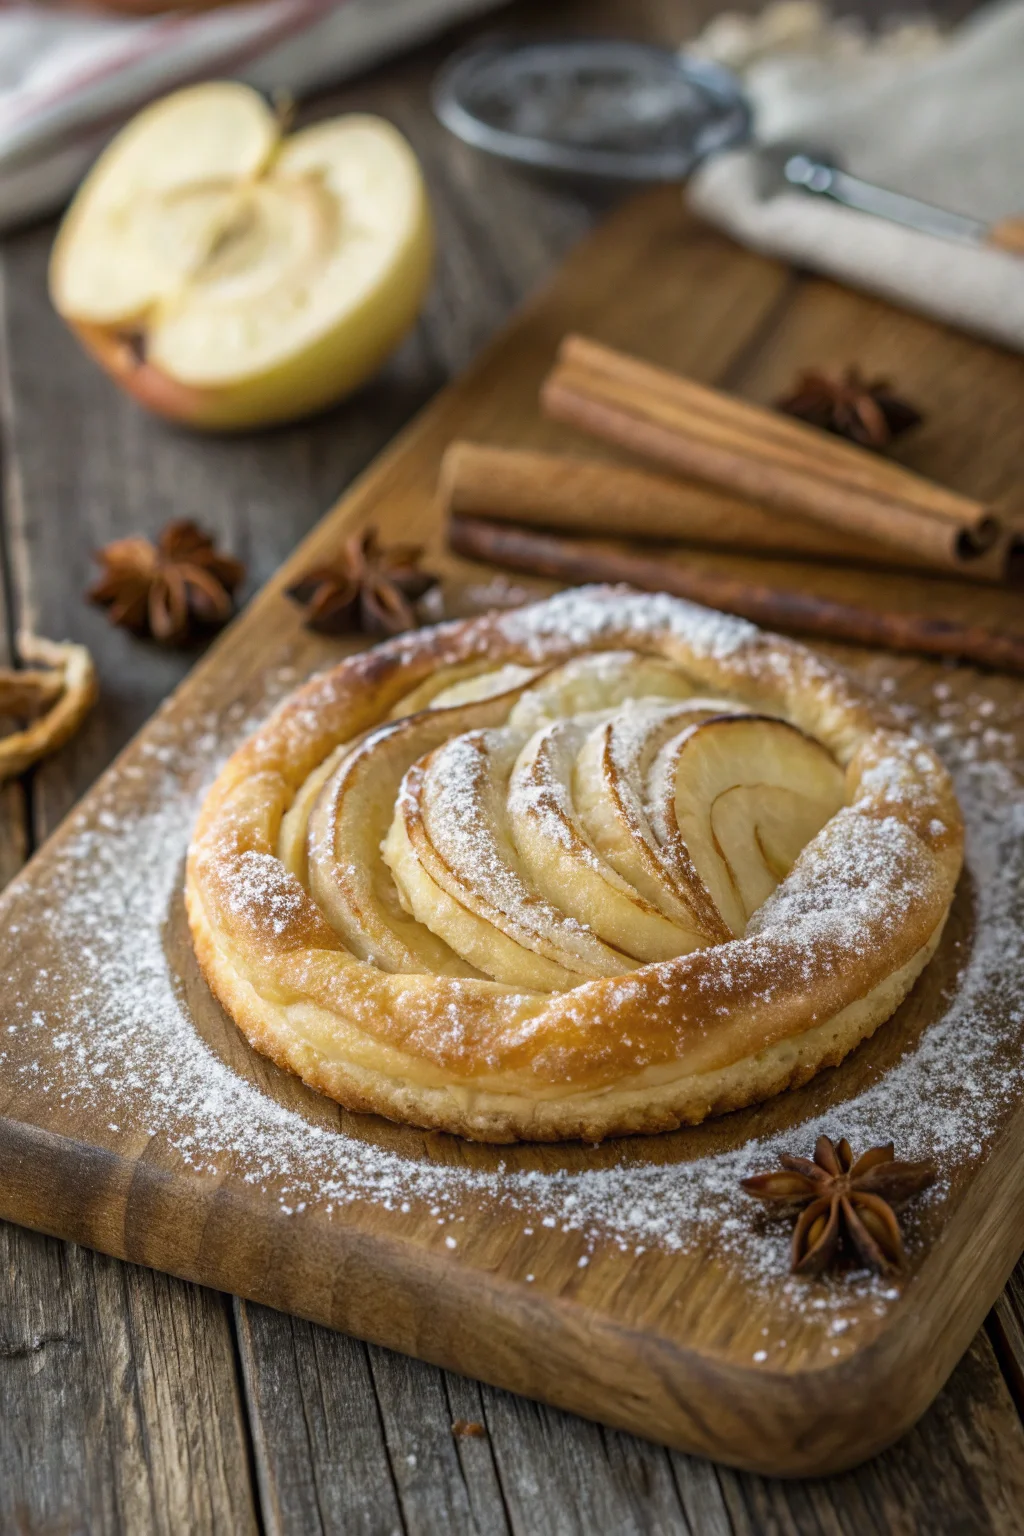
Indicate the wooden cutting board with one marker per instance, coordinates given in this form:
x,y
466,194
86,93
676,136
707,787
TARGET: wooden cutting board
x,y
630,1283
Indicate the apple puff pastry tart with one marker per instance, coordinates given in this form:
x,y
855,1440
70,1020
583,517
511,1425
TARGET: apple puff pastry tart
x,y
610,863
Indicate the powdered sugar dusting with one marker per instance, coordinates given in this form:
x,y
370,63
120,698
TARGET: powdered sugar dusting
x,y
846,905
582,615
263,888
105,1024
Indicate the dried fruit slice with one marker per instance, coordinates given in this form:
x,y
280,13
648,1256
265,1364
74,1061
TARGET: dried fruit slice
x,y
230,278
749,794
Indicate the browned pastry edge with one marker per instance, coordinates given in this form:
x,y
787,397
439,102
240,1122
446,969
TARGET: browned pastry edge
x,y
788,1064
670,1043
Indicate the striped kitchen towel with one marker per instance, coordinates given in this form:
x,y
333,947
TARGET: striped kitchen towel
x,y
70,78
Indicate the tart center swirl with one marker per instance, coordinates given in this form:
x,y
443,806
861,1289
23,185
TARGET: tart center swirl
x,y
548,827
607,864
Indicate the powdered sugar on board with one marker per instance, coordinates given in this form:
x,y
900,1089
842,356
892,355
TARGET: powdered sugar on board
x,y
104,1024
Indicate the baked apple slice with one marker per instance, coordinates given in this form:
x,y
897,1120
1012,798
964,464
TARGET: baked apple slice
x,y
229,277
458,871
610,788
348,808
744,795
563,863
594,684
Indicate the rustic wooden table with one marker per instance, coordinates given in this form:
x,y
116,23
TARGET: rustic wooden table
x,y
132,1402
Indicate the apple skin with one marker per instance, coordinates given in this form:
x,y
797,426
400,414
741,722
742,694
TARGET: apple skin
x,y
321,375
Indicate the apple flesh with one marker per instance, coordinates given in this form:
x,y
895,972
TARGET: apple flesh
x,y
229,277
750,793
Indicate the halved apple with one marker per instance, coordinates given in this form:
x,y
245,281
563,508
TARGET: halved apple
x,y
229,277
750,794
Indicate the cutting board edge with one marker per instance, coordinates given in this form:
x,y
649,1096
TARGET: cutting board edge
x,y
368,493
791,1424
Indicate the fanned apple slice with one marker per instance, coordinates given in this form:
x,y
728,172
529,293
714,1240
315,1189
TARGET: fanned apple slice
x,y
562,862
749,794
507,682
596,682
456,866
424,695
464,684
349,821
611,790
292,847
230,278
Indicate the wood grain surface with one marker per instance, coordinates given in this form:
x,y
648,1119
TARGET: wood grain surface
x,y
636,1356
277,1422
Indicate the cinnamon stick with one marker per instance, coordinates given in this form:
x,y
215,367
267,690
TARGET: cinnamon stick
x,y
763,457
835,457
588,496
572,560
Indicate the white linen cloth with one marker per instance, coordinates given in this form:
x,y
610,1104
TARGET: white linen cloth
x,y
942,120
69,79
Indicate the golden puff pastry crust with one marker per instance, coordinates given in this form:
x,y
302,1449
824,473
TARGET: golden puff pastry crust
x,y
607,864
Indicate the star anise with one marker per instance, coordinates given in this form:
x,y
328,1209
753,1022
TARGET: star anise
x,y
173,589
865,412
847,1204
366,588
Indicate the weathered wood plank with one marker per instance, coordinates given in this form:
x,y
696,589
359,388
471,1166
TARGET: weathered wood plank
x,y
119,1397
1006,1327
142,475
434,1472
960,1469
562,1476
321,1455
336,1457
